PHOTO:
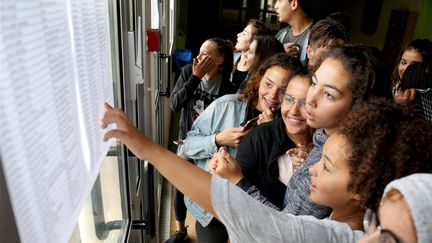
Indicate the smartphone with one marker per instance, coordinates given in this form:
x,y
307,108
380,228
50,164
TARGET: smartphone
x,y
178,142
251,123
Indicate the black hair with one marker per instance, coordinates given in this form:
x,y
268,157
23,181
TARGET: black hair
x,y
417,76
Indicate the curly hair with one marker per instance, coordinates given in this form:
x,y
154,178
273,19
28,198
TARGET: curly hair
x,y
283,60
386,143
356,60
224,48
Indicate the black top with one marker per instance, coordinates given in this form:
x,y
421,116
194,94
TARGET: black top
x,y
257,155
184,94
239,77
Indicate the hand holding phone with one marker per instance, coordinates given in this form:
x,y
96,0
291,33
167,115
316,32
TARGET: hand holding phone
x,y
251,123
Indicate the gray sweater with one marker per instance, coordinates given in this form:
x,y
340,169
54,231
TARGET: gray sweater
x,y
248,220
297,197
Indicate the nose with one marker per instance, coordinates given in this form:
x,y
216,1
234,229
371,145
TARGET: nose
x,y
403,69
295,109
274,94
200,56
312,169
276,5
312,97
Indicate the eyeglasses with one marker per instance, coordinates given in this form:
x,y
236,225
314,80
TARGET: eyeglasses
x,y
289,100
371,225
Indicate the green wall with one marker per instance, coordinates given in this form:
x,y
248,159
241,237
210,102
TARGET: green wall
x,y
423,29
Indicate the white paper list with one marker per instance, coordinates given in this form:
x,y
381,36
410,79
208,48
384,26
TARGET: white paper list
x,y
41,147
91,52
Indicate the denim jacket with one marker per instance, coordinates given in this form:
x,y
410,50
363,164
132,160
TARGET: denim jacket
x,y
200,145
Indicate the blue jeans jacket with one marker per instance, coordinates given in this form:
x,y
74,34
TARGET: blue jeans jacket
x,y
225,112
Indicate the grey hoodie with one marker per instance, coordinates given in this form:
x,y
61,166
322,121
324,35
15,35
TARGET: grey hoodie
x,y
417,191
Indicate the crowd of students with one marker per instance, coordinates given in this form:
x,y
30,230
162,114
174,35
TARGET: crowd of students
x,y
330,160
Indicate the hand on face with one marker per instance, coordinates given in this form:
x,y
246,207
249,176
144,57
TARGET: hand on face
x,y
231,136
125,132
226,166
200,68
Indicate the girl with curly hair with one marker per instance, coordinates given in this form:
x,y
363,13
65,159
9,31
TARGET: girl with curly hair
x,y
343,77
376,143
220,125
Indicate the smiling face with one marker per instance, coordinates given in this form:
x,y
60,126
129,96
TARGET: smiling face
x,y
409,57
244,38
272,88
331,175
329,97
292,114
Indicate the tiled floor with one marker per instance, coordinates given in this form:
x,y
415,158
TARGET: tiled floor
x,y
167,222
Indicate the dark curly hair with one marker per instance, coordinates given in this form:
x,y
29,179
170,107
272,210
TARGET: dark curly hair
x,y
386,143
283,60
356,59
224,48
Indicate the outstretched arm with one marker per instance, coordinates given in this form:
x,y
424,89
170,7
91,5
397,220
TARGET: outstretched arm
x,y
182,174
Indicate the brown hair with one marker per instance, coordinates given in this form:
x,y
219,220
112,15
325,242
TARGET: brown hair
x,y
267,46
327,32
386,143
259,28
224,48
356,60
283,60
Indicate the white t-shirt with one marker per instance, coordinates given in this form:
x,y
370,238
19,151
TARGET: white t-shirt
x,y
285,168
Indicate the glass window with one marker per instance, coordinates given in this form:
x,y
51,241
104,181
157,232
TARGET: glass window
x,y
104,216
